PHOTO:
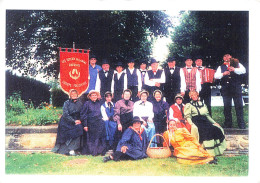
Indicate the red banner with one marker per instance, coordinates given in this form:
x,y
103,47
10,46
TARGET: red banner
x,y
74,70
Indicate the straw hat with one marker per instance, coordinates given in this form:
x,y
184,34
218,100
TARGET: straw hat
x,y
93,91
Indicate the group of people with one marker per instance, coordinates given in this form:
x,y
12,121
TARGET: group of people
x,y
123,109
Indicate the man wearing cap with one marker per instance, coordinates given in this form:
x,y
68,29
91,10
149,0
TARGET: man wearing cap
x,y
143,71
93,72
119,82
205,93
123,114
154,78
133,144
173,80
191,76
230,80
134,82
104,78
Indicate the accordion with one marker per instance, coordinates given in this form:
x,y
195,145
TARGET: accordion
x,y
207,75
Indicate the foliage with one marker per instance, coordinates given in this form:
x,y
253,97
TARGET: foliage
x,y
58,97
20,113
53,164
30,90
33,36
211,34
15,104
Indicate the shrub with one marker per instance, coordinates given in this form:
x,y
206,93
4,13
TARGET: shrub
x,y
15,104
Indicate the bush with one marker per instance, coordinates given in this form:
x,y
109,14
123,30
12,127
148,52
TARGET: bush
x,y
58,97
15,104
20,113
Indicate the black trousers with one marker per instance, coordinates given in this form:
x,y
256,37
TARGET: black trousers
x,y
134,90
118,155
228,95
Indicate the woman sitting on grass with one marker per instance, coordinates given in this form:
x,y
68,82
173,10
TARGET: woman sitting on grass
x,y
133,144
70,129
187,149
211,135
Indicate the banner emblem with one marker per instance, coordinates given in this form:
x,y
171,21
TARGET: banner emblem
x,y
74,70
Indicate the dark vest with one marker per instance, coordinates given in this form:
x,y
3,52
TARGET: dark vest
x,y
105,82
156,76
232,80
119,83
132,79
172,81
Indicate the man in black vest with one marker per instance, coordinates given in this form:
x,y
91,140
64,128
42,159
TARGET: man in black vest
x,y
104,78
134,82
143,71
230,80
154,78
172,84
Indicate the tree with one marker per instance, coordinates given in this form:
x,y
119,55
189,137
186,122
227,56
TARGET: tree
x,y
33,37
211,34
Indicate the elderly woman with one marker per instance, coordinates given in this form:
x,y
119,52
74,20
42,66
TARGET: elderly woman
x,y
94,126
160,109
187,149
211,135
144,110
70,128
133,144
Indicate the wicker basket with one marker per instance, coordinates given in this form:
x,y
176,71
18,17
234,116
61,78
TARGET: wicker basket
x,y
158,152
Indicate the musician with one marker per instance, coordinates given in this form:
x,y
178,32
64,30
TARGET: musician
x,y
230,80
143,71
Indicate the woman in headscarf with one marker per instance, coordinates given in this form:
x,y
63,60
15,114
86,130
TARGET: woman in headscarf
x,y
70,129
187,149
94,126
211,135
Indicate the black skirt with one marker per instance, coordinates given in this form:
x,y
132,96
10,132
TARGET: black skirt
x,y
207,131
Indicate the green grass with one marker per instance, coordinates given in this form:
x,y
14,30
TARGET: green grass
x,y
218,115
55,164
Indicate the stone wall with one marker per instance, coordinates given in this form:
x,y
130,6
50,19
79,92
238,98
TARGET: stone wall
x,y
44,137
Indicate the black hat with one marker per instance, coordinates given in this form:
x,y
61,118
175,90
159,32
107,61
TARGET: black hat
x,y
137,119
130,60
187,57
119,64
92,56
105,61
198,57
170,59
153,61
143,62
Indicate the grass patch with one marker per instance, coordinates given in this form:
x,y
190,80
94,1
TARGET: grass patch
x,y
55,164
218,115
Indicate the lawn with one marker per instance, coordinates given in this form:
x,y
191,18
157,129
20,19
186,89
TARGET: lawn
x,y
55,164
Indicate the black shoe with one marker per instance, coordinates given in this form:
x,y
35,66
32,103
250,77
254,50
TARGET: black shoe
x,y
213,162
106,159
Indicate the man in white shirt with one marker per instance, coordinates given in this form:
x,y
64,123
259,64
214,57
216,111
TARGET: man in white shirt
x,y
154,78
230,80
191,76
134,82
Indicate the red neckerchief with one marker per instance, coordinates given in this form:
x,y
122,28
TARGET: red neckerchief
x,y
138,133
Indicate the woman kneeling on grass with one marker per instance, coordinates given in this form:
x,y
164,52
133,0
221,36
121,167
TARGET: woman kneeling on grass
x,y
70,129
133,144
187,149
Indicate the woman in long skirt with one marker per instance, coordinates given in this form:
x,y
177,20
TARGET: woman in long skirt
x,y
70,129
94,127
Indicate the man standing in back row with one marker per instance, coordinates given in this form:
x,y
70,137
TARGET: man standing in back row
x,y
230,80
172,84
